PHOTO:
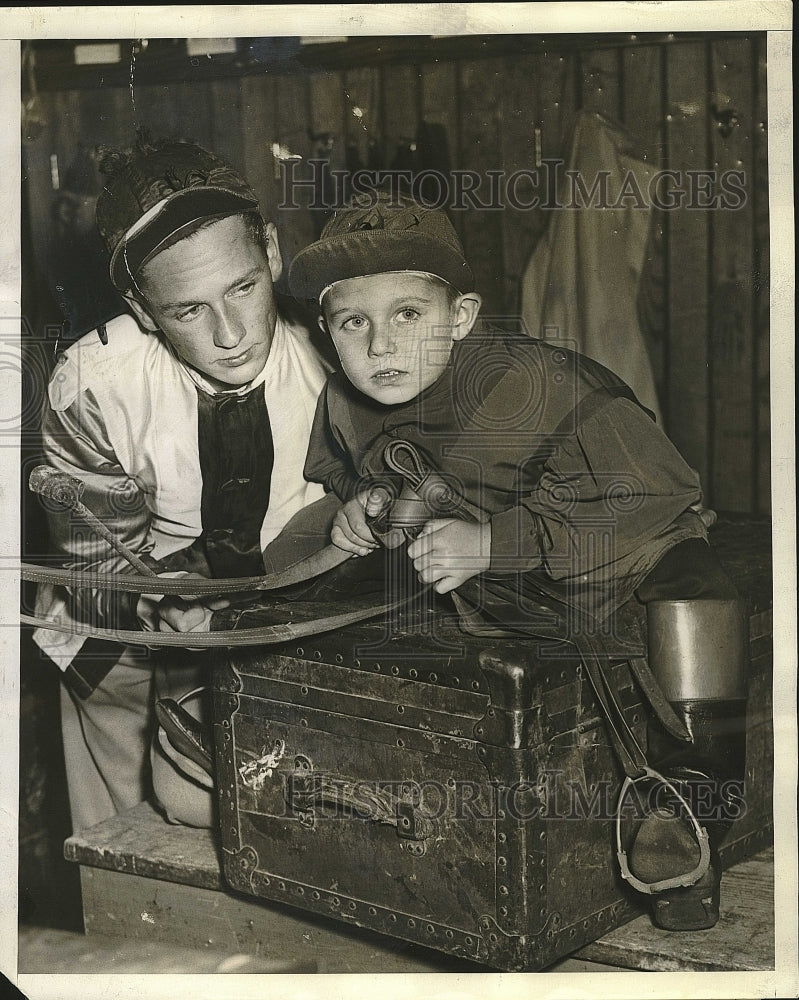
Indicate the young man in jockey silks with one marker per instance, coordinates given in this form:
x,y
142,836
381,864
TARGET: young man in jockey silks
x,y
188,423
538,441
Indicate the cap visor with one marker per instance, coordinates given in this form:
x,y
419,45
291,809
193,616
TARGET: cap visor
x,y
179,217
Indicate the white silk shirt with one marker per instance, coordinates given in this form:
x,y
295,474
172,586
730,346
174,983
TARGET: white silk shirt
x,y
123,418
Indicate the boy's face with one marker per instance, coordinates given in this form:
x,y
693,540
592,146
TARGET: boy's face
x,y
394,331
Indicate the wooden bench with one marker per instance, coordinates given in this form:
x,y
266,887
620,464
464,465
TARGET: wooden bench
x,y
143,879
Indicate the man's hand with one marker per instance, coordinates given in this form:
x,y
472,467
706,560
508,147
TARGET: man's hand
x,y
448,552
175,614
178,614
350,530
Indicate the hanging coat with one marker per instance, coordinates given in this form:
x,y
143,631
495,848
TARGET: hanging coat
x,y
580,286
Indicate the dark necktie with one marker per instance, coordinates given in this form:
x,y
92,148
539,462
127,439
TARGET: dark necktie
x,y
236,461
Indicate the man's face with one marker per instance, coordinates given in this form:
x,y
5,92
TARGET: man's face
x,y
212,296
394,332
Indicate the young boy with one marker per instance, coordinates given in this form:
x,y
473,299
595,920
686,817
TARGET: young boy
x,y
576,494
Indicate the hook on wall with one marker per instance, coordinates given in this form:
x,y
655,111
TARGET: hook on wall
x,y
726,119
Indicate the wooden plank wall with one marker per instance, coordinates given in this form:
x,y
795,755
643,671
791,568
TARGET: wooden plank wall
x,y
689,105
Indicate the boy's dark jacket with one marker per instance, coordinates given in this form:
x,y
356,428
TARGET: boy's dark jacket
x,y
578,479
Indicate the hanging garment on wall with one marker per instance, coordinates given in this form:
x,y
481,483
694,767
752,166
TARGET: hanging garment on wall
x,y
581,283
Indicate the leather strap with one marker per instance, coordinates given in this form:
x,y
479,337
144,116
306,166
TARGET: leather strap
x,y
186,735
262,636
657,699
631,756
437,495
135,583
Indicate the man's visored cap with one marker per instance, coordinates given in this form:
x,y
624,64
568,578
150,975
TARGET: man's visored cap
x,y
381,231
158,193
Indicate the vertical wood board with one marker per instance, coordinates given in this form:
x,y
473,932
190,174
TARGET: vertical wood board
x,y
327,110
228,121
688,247
400,101
294,224
601,81
481,85
439,106
258,133
761,270
363,127
642,103
731,329
521,116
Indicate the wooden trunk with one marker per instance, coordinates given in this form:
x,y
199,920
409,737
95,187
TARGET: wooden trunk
x,y
448,790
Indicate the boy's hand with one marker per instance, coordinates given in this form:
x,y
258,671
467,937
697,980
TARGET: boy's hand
x,y
449,552
350,530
